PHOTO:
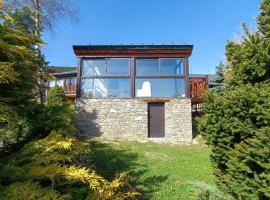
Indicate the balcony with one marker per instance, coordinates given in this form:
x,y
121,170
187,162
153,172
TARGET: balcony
x,y
198,84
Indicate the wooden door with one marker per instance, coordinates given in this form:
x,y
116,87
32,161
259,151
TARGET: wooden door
x,y
156,120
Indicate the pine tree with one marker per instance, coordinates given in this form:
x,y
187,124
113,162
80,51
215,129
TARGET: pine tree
x,y
264,18
236,124
19,68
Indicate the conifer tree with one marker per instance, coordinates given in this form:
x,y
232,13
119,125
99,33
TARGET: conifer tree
x,y
19,68
236,124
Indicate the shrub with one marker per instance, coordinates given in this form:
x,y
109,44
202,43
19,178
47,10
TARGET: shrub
x,y
51,166
56,95
232,118
250,163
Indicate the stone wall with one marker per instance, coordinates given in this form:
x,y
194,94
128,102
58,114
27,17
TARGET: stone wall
x,y
128,119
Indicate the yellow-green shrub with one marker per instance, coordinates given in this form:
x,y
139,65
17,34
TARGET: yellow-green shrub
x,y
52,166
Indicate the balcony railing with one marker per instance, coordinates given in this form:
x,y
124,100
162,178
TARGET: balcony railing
x,y
70,89
197,86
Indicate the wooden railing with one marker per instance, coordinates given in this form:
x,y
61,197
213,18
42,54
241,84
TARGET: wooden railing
x,y
198,85
69,89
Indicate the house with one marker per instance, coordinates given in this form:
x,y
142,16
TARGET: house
x,y
65,77
136,92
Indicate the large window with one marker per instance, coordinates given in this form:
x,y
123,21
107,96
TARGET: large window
x,y
159,67
103,78
160,87
148,77
163,77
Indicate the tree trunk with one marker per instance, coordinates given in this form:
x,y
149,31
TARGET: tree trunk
x,y
41,88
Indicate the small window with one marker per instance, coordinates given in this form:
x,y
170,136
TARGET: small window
x,y
94,68
116,67
145,67
171,66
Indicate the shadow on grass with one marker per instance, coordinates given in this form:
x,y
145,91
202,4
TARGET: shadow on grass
x,y
111,161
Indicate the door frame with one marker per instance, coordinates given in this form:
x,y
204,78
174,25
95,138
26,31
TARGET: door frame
x,y
162,117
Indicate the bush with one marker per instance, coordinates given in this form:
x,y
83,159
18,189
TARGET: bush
x,y
56,95
234,118
253,174
57,167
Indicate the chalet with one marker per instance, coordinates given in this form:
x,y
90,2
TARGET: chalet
x,y
134,91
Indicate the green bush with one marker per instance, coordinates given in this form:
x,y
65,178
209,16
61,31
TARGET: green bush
x,y
250,163
56,95
237,121
234,117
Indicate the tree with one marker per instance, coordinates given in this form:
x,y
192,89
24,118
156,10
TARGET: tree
x,y
56,95
248,62
236,124
264,18
19,68
46,14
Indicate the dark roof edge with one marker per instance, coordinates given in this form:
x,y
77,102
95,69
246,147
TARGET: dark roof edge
x,y
132,47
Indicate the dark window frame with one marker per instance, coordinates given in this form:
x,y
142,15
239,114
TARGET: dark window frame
x,y
106,76
132,66
159,68
106,67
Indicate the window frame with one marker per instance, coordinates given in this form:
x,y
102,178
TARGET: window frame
x,y
132,69
183,75
106,76
106,69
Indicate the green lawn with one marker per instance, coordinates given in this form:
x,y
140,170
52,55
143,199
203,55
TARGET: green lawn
x,y
160,171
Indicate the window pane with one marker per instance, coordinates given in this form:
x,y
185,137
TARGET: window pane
x,y
73,81
60,82
51,83
118,67
93,68
171,66
110,87
146,67
160,87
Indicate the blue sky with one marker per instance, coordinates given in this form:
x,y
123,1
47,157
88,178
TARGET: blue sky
x,y
207,24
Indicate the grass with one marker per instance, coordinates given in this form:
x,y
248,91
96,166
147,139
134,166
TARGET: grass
x,y
159,171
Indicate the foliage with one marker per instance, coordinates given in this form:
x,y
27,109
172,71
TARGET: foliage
x,y
264,18
53,165
236,124
203,191
233,117
56,95
19,69
253,177
248,62
219,79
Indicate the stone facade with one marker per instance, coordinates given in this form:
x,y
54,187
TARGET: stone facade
x,y
128,119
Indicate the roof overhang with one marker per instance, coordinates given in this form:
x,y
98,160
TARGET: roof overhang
x,y
84,50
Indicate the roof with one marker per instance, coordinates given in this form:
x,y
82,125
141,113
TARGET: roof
x,y
59,69
67,73
131,49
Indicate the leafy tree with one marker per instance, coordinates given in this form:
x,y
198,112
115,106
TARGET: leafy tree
x,y
236,124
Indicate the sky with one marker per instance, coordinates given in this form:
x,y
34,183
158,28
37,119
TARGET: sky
x,y
206,24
